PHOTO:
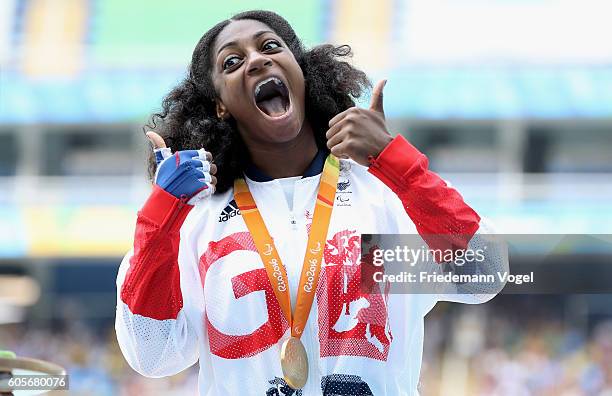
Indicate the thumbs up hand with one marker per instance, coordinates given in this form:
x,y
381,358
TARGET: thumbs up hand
x,y
187,174
359,133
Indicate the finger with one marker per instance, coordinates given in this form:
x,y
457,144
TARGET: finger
x,y
334,129
205,176
161,154
336,139
204,165
202,157
156,140
188,156
214,181
340,150
338,117
213,169
205,155
377,97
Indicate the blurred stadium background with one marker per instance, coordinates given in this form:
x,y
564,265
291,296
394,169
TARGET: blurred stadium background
x,y
510,99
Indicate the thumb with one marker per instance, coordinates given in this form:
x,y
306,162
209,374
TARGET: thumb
x,y
160,151
156,140
376,103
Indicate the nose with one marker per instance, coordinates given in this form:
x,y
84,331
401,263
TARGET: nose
x,y
257,62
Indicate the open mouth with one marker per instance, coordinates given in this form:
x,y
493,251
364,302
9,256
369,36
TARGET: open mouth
x,y
272,97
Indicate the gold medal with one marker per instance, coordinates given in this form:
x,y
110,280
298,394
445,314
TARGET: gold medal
x,y
294,363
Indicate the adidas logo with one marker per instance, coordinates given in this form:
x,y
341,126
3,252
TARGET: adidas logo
x,y
230,211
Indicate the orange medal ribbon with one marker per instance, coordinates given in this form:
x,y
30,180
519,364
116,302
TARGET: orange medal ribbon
x,y
314,249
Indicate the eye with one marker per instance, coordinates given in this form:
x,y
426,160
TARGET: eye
x,y
231,61
270,45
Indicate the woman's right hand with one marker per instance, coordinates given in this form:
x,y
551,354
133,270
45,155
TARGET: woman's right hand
x,y
187,174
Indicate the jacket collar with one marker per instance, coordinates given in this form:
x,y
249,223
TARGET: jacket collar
x,y
315,167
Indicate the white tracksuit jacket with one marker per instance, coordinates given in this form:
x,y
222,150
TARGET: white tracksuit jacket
x,y
194,287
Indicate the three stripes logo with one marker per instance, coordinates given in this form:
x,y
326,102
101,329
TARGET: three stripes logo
x,y
231,210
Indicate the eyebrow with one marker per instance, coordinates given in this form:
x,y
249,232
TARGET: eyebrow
x,y
232,43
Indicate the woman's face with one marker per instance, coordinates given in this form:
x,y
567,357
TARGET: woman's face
x,y
258,82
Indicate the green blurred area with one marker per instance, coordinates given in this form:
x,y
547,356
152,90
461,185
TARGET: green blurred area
x,y
127,31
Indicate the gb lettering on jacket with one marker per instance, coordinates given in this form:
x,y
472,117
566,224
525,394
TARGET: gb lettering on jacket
x,y
348,322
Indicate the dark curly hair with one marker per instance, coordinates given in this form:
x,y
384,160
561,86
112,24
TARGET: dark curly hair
x,y
188,119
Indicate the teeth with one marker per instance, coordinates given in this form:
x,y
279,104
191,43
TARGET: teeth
x,y
261,83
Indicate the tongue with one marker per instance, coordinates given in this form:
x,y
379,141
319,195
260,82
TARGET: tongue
x,y
274,107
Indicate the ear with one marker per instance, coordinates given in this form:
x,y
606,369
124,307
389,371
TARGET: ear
x,y
222,112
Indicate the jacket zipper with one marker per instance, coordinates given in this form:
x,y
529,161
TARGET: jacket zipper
x,y
181,203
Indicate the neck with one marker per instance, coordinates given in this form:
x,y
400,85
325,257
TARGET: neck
x,y
286,159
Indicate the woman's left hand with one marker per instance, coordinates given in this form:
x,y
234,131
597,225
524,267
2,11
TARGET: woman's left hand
x,y
358,133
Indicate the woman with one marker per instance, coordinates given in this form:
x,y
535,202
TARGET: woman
x,y
229,257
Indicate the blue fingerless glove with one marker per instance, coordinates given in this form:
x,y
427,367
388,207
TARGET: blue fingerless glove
x,y
184,174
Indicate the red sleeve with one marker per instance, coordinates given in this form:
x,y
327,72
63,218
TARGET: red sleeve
x,y
152,285
438,211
